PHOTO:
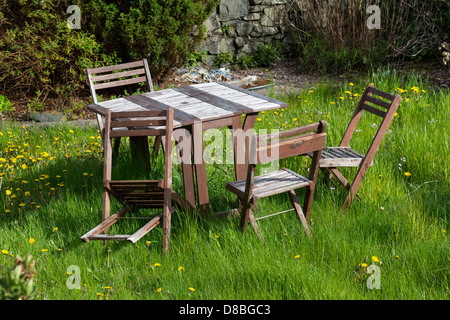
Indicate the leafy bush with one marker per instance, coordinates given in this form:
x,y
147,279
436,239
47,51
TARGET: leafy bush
x,y
267,54
166,32
223,58
5,104
18,283
39,53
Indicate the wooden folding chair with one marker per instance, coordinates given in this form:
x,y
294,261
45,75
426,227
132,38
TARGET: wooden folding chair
x,y
333,158
281,145
134,194
122,75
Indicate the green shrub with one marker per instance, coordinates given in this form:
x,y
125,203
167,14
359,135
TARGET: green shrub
x,y
18,283
5,104
166,32
38,52
267,54
223,58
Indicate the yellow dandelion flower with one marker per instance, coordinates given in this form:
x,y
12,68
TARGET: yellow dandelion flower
x,y
55,229
364,265
8,192
191,289
375,259
158,290
31,240
5,251
259,119
21,204
297,257
157,264
100,294
350,84
44,250
24,166
180,268
407,174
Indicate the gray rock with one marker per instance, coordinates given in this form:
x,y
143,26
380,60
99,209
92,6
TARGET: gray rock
x,y
252,17
232,9
48,116
239,42
244,28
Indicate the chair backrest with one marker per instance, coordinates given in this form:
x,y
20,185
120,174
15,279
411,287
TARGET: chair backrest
x,y
119,75
288,143
137,125
384,106
116,76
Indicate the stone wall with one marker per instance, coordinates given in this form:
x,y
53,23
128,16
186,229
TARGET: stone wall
x,y
239,26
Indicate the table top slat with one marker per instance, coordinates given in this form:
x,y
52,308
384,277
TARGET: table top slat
x,y
204,102
213,99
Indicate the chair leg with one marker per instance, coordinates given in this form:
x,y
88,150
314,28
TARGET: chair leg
x,y
296,205
166,232
167,215
246,215
255,226
355,186
340,177
308,201
158,143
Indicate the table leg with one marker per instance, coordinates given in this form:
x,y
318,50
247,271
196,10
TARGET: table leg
x,y
186,164
200,168
249,122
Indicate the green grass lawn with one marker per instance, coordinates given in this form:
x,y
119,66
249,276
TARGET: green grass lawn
x,y
51,195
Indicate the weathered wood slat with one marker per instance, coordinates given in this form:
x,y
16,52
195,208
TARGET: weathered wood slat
x,y
213,100
138,133
380,93
121,66
280,103
120,123
180,116
145,229
118,75
118,83
117,237
378,102
341,157
373,110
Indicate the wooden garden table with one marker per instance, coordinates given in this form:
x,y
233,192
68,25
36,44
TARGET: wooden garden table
x,y
199,107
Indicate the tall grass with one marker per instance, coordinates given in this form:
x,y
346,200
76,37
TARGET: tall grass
x,y
401,219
